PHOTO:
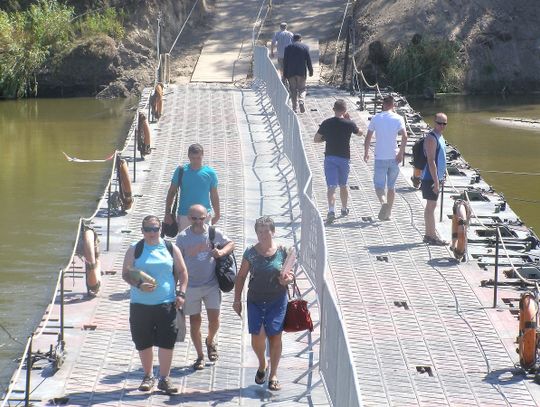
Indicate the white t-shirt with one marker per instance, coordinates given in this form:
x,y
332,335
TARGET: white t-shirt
x,y
386,126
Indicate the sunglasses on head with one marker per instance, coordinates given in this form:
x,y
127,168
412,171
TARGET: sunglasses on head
x,y
441,123
149,229
198,218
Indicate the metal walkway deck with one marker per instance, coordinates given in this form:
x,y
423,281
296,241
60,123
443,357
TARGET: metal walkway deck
x,y
420,334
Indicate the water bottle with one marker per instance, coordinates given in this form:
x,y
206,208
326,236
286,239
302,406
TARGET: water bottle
x,y
141,276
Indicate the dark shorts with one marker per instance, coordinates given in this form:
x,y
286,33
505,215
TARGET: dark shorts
x,y
271,314
427,190
153,325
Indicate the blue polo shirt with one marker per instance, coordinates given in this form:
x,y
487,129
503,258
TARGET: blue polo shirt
x,y
196,186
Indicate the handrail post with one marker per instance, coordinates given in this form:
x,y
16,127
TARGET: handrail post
x,y
346,57
135,143
62,308
109,214
496,279
28,372
442,202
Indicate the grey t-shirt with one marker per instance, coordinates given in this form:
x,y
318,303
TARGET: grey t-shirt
x,y
196,251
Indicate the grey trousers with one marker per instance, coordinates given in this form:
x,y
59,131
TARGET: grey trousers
x,y
297,90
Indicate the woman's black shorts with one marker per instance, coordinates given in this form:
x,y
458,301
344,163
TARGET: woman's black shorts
x,y
153,325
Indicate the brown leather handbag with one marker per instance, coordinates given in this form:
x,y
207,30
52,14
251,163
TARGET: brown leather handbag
x,y
297,317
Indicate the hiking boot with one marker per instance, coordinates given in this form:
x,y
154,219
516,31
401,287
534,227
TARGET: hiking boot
x,y
147,383
344,211
331,217
165,385
302,107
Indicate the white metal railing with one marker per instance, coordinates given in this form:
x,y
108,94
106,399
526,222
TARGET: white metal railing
x,y
336,362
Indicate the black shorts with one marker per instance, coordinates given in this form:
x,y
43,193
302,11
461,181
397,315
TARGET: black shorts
x,y
427,190
153,325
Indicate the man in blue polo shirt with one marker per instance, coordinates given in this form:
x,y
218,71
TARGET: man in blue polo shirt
x,y
198,186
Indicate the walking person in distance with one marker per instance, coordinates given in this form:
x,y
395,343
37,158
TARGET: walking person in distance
x,y
336,132
387,126
296,64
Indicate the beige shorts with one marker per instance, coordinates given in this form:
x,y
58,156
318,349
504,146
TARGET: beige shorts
x,y
195,296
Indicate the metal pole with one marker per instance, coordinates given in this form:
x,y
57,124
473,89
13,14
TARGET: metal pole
x,y
496,279
28,372
62,307
442,201
346,58
109,214
135,142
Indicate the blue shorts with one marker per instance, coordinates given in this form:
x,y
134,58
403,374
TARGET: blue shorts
x,y
271,314
385,174
336,170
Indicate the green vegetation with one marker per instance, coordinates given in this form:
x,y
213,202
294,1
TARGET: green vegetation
x,y
38,37
426,63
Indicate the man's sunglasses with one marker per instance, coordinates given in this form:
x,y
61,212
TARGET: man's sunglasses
x,y
149,229
197,218
441,123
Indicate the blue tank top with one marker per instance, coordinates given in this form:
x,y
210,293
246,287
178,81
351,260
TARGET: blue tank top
x,y
157,262
440,160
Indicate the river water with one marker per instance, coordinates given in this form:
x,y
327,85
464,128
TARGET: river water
x,y
42,196
491,147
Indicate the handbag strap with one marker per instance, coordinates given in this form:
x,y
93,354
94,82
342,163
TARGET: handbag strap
x,y
296,291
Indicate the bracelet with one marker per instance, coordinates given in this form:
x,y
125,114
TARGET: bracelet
x,y
180,294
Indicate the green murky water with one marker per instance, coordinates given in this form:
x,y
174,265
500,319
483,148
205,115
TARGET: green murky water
x,y
42,196
492,147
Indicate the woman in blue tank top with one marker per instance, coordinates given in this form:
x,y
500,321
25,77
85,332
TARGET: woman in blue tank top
x,y
267,298
153,274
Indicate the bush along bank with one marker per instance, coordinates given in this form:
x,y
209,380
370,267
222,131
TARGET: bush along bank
x,y
36,41
422,66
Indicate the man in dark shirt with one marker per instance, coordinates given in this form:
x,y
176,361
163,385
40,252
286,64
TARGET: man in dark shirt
x,y
295,61
336,132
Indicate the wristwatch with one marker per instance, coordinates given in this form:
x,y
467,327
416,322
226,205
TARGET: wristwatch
x,y
180,294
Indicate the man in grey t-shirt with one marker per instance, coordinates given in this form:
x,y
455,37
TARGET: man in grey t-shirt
x,y
199,255
280,40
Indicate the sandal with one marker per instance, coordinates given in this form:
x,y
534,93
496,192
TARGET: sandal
x,y
199,364
260,377
274,385
211,350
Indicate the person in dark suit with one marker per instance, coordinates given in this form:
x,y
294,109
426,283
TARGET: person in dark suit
x,y
296,63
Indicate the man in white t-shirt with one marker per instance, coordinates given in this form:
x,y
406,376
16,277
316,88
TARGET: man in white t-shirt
x,y
386,125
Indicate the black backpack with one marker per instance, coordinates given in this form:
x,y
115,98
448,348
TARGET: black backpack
x,y
226,266
419,159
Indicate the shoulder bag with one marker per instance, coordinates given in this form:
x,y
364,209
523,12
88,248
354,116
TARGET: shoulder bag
x,y
297,317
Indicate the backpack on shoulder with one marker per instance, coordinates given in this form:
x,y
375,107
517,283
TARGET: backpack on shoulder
x,y
419,160
226,266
